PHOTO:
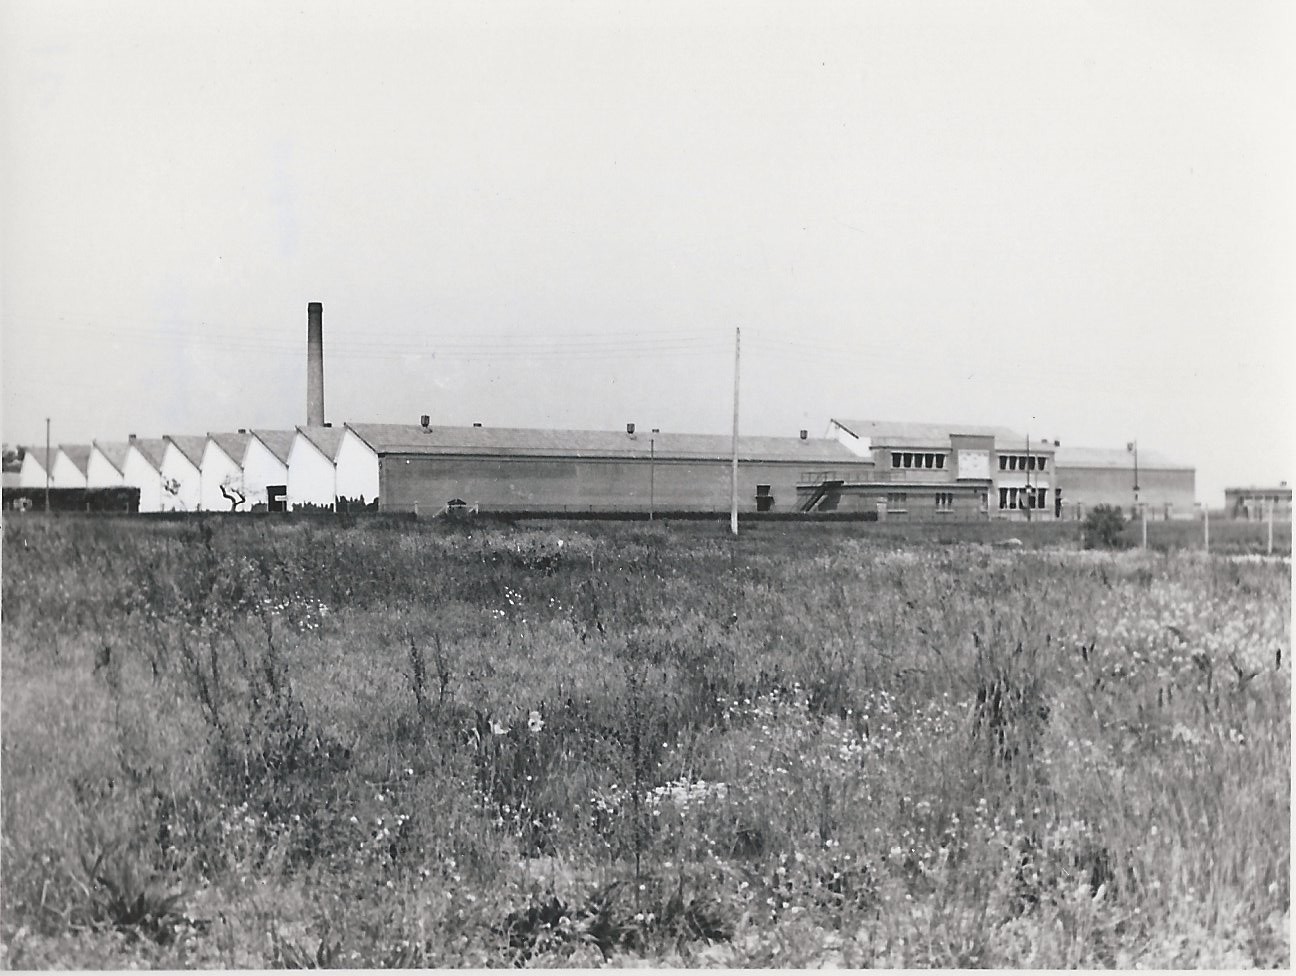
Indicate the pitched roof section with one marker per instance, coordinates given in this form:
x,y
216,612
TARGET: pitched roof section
x,y
522,442
78,454
327,439
278,442
885,433
1115,457
235,445
114,452
39,456
150,449
190,445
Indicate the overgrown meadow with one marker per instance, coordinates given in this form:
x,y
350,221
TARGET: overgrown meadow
x,y
260,744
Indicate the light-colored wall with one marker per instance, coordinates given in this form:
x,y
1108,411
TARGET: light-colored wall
x,y
502,484
312,478
141,474
100,472
357,469
66,474
178,471
31,474
261,468
218,469
1083,488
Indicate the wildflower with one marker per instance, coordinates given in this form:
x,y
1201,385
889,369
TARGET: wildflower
x,y
498,728
534,722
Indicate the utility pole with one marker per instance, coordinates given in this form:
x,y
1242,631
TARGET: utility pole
x,y
1133,446
1030,499
733,508
47,464
1206,513
652,470
1271,508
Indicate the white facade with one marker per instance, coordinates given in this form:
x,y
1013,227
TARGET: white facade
x,y
263,467
181,481
101,471
67,474
218,471
139,472
32,472
312,475
357,468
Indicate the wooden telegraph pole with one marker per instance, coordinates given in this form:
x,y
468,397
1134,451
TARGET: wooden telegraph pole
x,y
733,504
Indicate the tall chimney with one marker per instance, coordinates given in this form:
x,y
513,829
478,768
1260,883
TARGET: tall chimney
x,y
315,364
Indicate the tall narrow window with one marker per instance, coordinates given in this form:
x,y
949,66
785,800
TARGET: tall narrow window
x,y
1003,464
895,459
1003,498
940,460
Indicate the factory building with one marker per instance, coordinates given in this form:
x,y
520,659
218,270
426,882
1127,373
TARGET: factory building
x,y
1090,476
70,462
357,469
1255,503
221,473
182,473
143,470
36,466
426,468
265,469
949,471
107,465
312,467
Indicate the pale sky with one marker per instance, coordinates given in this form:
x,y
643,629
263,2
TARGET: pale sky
x,y
1074,219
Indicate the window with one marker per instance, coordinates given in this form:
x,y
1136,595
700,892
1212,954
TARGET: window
x,y
1041,498
762,490
908,460
895,459
1003,496
1042,462
1003,465
944,501
929,460
896,499
940,460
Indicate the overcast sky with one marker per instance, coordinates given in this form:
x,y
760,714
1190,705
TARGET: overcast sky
x,y
1073,219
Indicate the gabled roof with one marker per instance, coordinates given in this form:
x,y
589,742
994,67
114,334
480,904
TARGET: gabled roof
x,y
278,442
189,445
886,433
327,439
114,453
1116,457
525,442
150,449
235,445
78,454
38,456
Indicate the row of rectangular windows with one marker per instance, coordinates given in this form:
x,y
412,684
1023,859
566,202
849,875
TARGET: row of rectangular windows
x,y
1010,498
910,459
1021,462
944,500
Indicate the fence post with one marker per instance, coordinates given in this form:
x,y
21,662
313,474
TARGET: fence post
x,y
1271,508
1206,512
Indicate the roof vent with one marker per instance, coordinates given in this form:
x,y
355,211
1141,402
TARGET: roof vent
x,y
242,430
630,429
805,434
424,421
131,437
328,425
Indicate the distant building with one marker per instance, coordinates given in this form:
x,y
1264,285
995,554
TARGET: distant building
x,y
265,469
143,470
312,467
1089,476
70,464
949,471
1253,504
107,465
427,468
182,473
357,465
221,473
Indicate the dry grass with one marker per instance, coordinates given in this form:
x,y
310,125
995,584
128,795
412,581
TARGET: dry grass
x,y
255,744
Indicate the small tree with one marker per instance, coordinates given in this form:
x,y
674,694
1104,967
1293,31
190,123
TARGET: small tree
x,y
1103,526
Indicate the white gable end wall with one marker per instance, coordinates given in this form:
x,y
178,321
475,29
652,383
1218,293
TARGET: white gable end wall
x,y
67,474
142,475
312,478
357,469
260,469
181,482
219,470
100,472
31,474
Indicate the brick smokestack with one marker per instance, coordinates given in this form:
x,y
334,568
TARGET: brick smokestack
x,y
315,364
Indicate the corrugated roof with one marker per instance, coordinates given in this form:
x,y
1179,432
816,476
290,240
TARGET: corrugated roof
x,y
886,433
114,452
526,442
279,442
78,454
235,445
327,439
1116,457
150,449
190,445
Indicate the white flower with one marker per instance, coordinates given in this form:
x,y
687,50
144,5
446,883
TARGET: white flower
x,y
498,728
534,722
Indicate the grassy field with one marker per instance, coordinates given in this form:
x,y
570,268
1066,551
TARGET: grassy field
x,y
263,744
